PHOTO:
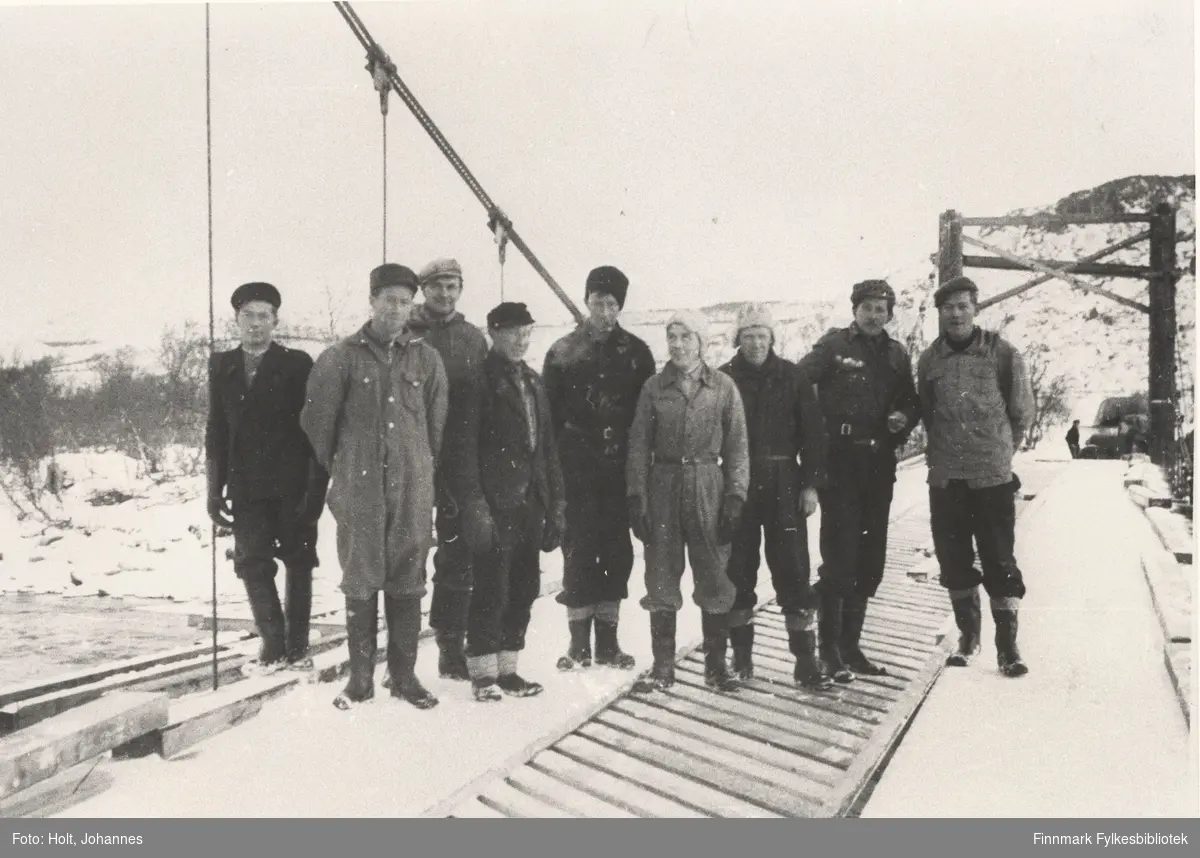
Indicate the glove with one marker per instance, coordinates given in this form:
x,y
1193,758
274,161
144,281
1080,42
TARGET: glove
x,y
637,518
478,529
219,508
731,519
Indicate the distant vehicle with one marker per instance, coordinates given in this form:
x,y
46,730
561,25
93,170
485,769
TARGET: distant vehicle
x,y
1121,427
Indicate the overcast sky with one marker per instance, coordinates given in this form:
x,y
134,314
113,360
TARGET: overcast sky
x,y
713,150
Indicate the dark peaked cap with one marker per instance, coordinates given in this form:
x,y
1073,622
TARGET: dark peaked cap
x,y
609,281
510,314
391,274
954,284
248,292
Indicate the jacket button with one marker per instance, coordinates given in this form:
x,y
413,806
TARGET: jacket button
x,y
391,399
391,425
366,381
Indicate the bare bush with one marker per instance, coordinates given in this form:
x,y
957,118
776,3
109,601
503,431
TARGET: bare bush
x,y
27,400
1049,395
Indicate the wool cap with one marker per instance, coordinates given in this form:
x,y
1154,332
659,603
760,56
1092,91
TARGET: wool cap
x,y
440,268
753,316
955,284
694,322
608,281
391,274
510,314
255,292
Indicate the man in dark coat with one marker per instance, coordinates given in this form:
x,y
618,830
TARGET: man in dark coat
x,y
1073,440
783,421
865,386
263,480
463,348
593,377
376,410
504,469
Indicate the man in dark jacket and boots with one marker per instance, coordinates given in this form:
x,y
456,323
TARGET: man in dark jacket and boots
x,y
263,480
376,410
783,421
1073,440
864,382
506,472
593,377
976,401
462,347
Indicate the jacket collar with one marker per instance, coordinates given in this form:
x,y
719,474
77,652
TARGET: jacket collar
x,y
975,347
673,375
235,359
422,320
769,367
856,331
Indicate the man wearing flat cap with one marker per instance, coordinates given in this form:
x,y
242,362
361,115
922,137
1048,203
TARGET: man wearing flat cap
x,y
593,377
263,479
865,387
976,402
506,474
688,474
462,347
376,411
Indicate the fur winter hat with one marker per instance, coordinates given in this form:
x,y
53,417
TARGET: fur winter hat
x,y
694,322
873,289
753,316
607,280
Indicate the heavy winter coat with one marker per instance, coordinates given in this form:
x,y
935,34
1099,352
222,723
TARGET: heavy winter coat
x,y
375,415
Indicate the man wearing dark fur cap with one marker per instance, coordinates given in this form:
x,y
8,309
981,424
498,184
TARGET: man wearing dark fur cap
x,y
865,387
506,475
263,480
593,377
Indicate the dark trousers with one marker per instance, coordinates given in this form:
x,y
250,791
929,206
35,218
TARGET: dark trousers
x,y
854,519
452,578
963,518
597,549
264,530
1074,448
507,581
786,549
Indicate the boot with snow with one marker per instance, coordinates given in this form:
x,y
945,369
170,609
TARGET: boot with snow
x,y
741,641
968,616
661,676
268,621
298,612
1008,658
716,639
830,632
579,653
608,651
483,670
362,628
452,664
511,682
854,614
404,631
802,641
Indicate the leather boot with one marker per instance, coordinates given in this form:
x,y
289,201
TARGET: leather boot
x,y
969,617
802,641
662,643
608,651
452,664
830,633
854,614
511,682
579,653
483,670
298,610
741,641
716,637
362,628
268,620
1008,657
404,631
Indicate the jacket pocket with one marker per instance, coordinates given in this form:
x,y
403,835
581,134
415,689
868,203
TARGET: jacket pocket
x,y
411,394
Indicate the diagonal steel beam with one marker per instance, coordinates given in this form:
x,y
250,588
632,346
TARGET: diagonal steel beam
x,y
1056,272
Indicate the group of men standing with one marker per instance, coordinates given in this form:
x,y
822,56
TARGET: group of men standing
x,y
415,424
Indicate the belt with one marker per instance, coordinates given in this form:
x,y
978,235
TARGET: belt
x,y
847,435
683,460
772,458
606,433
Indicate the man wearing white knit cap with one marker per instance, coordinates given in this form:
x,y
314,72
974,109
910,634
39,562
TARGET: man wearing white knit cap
x,y
688,472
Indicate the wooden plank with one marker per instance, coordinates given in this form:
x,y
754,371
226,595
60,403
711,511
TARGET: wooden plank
x,y
887,692
825,761
887,655
510,801
1173,532
1098,269
775,789
865,707
619,792
40,751
1170,585
198,717
574,802
728,794
475,809
761,759
707,801
828,701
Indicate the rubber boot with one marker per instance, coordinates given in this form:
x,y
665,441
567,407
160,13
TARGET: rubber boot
x,y
608,651
483,670
716,638
802,641
298,611
362,629
830,633
1008,657
741,641
452,664
404,631
579,653
662,644
854,614
969,617
268,621
511,682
